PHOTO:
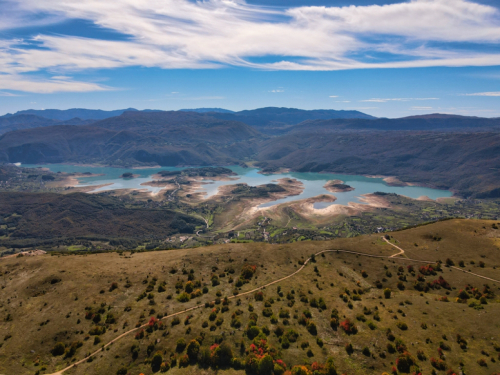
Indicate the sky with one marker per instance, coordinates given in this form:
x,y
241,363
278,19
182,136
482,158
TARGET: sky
x,y
387,58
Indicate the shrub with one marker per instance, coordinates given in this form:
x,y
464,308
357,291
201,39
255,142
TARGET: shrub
x,y
165,366
349,349
421,355
267,312
371,325
181,345
334,323
183,297
193,349
156,362
266,365
284,313
404,362
252,332
402,326
122,371
482,362
311,327
71,351
184,361
348,327
438,364
248,271
259,296
113,287
292,335
387,293
221,355
58,349
366,351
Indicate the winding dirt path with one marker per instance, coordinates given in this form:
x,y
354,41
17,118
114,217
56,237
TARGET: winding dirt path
x,y
401,251
60,372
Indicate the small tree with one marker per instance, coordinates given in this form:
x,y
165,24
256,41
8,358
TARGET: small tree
x,y
181,345
387,293
193,349
58,349
266,365
156,362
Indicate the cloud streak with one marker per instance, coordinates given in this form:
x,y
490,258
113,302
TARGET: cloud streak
x,y
494,93
181,34
380,100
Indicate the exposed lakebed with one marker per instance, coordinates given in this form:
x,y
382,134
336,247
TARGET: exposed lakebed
x,y
313,183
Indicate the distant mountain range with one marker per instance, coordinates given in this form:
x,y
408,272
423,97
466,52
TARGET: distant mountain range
x,y
207,110
433,122
68,114
447,151
268,120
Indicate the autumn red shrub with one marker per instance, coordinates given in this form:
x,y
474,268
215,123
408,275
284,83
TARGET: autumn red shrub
x,y
248,271
349,327
438,364
427,270
139,335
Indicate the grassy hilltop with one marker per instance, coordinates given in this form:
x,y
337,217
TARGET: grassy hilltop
x,y
341,313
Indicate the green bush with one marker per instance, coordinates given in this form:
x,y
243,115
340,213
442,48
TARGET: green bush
x,y
266,365
183,297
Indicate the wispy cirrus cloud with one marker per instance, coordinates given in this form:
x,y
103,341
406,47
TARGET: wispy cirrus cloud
x,y
493,93
420,108
385,100
24,84
182,34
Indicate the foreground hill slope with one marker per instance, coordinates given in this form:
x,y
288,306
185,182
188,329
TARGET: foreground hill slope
x,y
366,311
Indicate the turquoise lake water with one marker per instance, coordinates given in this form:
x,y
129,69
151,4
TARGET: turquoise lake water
x,y
313,183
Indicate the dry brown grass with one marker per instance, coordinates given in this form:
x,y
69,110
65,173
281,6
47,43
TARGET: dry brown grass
x,y
30,298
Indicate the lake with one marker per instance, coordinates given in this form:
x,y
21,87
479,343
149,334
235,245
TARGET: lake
x,y
313,183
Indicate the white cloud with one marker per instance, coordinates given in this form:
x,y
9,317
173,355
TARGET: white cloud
x,y
494,93
21,83
333,96
380,100
3,93
342,101
277,90
420,108
175,34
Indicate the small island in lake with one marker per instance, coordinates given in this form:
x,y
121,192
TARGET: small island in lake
x,y
337,186
128,175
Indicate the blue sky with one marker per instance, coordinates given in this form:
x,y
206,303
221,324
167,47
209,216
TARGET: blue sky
x,y
386,58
